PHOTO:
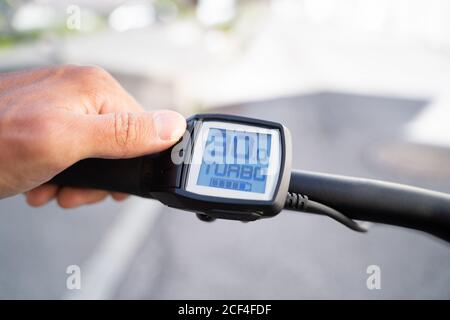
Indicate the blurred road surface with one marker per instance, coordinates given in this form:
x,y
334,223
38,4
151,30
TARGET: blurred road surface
x,y
292,256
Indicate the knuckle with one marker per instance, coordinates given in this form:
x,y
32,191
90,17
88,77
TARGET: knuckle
x,y
62,70
77,74
93,83
126,129
92,76
94,73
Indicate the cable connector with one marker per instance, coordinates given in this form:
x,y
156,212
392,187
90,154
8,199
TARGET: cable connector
x,y
296,201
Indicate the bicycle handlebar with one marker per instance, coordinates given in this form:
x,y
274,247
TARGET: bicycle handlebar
x,y
378,201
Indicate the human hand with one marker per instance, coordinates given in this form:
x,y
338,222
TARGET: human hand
x,y
52,117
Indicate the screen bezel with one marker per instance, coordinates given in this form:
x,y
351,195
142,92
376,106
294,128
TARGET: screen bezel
x,y
197,155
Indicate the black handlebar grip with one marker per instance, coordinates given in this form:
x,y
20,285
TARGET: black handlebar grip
x,y
121,175
378,201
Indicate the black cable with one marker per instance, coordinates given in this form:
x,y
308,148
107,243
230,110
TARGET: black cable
x,y
377,201
316,207
300,202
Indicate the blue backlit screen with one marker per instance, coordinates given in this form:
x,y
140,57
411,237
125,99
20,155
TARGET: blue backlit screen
x,y
235,160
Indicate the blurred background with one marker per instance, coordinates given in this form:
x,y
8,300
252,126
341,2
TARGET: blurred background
x,y
364,86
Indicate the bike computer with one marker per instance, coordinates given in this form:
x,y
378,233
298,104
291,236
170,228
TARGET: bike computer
x,y
225,166
230,167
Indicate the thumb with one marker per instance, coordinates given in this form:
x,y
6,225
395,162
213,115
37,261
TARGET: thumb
x,y
128,134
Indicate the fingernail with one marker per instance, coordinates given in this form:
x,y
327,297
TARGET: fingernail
x,y
170,125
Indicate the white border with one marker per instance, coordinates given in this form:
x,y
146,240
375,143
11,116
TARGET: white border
x,y
196,160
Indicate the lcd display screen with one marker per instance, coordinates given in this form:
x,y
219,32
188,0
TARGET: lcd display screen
x,y
235,160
